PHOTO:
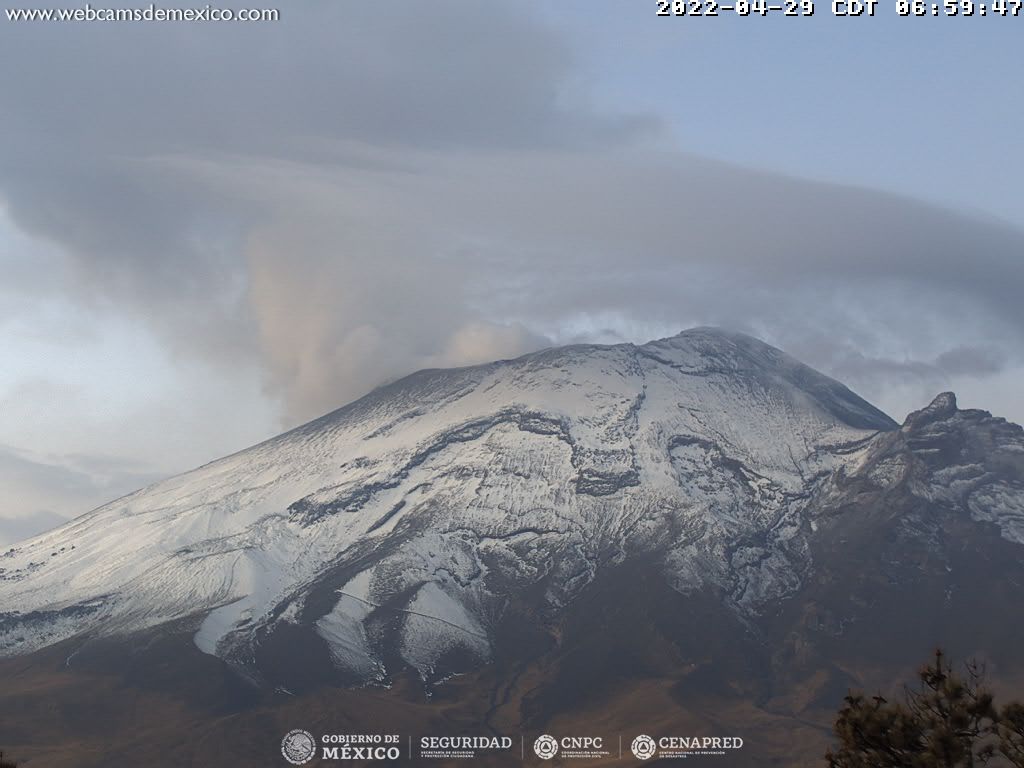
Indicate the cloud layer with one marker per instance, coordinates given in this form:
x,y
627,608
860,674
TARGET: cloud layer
x,y
350,194
49,490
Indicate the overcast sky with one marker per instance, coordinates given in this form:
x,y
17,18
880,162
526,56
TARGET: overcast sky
x,y
211,232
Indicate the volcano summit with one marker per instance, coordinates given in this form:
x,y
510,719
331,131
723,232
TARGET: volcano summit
x,y
701,509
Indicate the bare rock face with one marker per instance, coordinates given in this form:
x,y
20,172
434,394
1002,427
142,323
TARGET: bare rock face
x,y
416,528
942,407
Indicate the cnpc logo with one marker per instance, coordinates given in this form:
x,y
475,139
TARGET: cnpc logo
x,y
546,747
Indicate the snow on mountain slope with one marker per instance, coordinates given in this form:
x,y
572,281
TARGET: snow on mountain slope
x,y
399,526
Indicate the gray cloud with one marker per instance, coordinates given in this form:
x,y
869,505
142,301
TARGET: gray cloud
x,y
43,492
972,361
451,74
15,529
352,194
553,242
96,129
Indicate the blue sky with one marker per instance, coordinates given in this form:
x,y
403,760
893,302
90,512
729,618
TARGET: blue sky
x,y
928,107
211,233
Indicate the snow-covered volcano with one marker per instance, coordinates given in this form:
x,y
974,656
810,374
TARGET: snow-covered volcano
x,y
396,531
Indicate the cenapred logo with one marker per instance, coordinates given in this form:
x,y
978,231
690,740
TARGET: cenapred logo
x,y
298,746
643,747
546,747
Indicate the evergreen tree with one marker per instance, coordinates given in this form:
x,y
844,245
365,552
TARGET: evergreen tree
x,y
949,721
6,763
1011,733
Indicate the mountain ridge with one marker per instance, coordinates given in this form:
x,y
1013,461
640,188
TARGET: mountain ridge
x,y
699,535
394,532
